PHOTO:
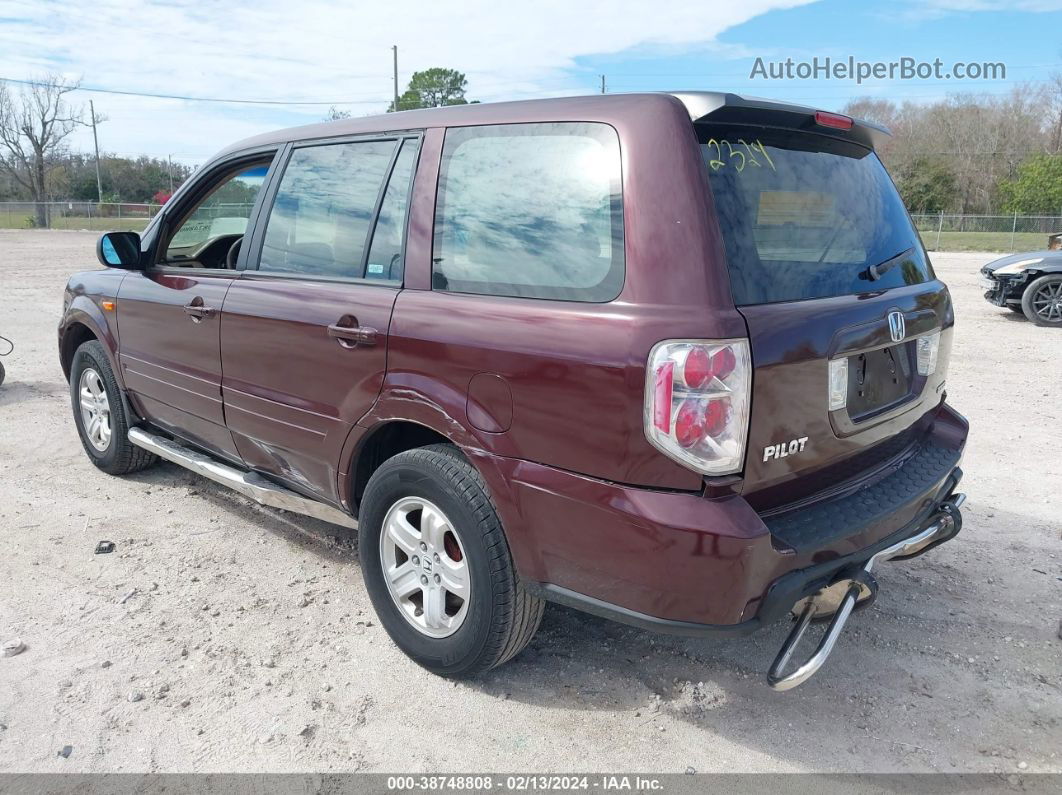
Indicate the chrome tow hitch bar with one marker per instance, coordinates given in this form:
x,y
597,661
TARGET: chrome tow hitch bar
x,y
852,588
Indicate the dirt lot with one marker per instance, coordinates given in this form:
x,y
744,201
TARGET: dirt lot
x,y
249,643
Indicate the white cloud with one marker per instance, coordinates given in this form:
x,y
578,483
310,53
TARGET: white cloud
x,y
1034,6
918,10
316,50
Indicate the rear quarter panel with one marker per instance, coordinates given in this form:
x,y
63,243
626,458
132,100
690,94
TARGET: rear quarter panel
x,y
576,371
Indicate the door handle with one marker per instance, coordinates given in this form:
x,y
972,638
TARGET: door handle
x,y
351,336
197,310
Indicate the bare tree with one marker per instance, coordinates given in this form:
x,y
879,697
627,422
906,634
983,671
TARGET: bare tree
x,y
34,123
1053,96
977,139
335,114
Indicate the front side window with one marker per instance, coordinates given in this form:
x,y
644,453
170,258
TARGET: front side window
x,y
218,220
530,210
320,220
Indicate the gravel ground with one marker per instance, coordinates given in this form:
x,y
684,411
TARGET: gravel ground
x,y
248,643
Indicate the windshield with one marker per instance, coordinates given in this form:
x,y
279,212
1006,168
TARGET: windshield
x,y
807,216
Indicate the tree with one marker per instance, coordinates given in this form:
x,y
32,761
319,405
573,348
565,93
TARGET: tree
x,y
879,111
1053,97
928,186
1037,188
133,180
73,177
981,139
335,114
33,127
433,88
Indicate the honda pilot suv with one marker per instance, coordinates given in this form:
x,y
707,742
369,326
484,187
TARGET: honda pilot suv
x,y
673,359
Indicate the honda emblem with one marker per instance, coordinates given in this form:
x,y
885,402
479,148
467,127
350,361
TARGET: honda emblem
x,y
896,326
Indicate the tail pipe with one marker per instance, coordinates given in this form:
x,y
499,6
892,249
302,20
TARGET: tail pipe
x,y
854,587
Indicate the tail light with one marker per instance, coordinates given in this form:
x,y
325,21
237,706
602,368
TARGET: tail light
x,y
697,403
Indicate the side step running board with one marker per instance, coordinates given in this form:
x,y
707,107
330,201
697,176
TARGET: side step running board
x,y
249,484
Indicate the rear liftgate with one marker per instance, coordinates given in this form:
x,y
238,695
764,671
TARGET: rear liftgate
x,y
854,587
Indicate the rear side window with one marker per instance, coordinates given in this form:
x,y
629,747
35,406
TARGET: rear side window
x,y
530,210
388,238
806,216
319,224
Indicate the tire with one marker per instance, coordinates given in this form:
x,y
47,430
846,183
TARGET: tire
x,y
498,618
1045,289
3,374
92,369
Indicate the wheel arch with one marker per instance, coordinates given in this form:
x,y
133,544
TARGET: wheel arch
x,y
75,334
389,437
379,443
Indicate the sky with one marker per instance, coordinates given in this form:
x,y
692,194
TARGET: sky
x,y
339,54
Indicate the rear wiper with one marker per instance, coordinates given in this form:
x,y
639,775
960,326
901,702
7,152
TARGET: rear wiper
x,y
875,272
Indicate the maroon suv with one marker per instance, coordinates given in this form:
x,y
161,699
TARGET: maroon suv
x,y
674,359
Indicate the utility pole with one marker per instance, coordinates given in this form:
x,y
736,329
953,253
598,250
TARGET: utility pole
x,y
394,47
169,170
602,84
96,144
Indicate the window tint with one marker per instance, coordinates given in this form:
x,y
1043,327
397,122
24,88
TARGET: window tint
x,y
806,216
224,211
319,223
385,253
530,210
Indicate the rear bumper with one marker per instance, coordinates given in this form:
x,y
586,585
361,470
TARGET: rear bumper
x,y
781,595
685,564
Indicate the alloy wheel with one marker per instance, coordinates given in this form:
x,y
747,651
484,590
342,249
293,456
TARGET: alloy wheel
x,y
95,409
425,567
1047,302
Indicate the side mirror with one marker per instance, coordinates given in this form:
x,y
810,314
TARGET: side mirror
x,y
119,250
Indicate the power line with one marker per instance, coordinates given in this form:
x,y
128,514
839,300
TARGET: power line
x,y
204,99
221,100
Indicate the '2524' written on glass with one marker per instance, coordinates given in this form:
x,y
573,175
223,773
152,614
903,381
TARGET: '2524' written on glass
x,y
722,153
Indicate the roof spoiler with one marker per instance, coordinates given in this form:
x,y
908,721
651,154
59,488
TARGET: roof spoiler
x,y
722,107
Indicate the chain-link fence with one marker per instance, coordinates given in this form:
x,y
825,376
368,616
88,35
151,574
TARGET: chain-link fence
x,y
98,216
940,232
1007,233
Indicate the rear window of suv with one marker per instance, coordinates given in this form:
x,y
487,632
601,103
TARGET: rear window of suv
x,y
807,216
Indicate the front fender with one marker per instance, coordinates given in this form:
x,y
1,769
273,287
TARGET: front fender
x,y
83,311
93,320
